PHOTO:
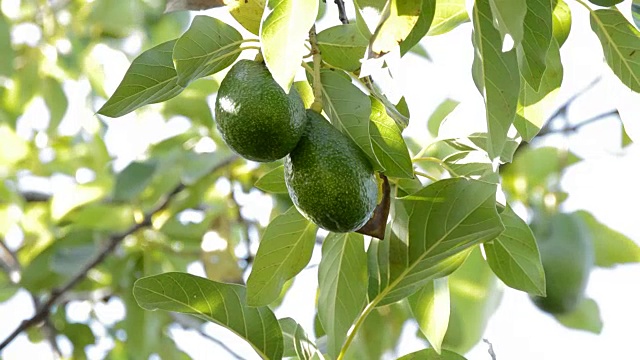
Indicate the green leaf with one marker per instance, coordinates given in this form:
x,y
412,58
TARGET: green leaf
x,y
475,295
132,180
496,75
534,105
342,282
72,197
283,33
388,144
56,101
439,114
305,91
273,181
396,23
620,43
207,47
421,27
150,79
514,256
561,21
538,32
13,148
108,217
431,354
449,14
445,219
349,110
8,54
370,342
220,303
430,307
296,342
80,336
342,46
360,22
605,3
508,18
247,13
611,247
585,317
285,249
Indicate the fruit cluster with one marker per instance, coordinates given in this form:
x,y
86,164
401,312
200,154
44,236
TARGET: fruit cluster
x,y
329,179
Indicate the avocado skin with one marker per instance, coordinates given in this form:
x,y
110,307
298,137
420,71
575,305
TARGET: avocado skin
x,y
567,257
256,118
329,179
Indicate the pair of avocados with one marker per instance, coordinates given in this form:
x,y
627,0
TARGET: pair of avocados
x,y
328,178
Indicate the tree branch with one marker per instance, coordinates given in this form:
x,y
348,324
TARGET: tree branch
x,y
573,128
43,311
193,324
317,63
342,12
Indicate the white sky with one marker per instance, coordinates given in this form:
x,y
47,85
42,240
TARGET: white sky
x,y
605,185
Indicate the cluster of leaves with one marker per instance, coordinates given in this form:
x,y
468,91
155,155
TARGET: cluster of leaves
x,y
436,227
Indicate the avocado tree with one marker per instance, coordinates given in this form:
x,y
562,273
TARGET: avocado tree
x,y
308,150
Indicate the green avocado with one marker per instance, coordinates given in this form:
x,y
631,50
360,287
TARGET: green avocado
x,y
329,179
567,257
256,118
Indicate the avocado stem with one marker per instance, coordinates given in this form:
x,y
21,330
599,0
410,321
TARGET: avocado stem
x,y
317,63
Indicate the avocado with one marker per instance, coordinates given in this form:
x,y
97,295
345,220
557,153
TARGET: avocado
x,y
329,179
567,257
255,116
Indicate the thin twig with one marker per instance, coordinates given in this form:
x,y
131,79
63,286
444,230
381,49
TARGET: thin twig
x,y
193,324
114,240
342,12
562,110
9,260
573,128
491,352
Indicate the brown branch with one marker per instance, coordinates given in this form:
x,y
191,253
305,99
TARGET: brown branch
x,y
573,128
43,311
342,12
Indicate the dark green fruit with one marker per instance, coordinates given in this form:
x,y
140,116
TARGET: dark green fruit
x,y
256,118
329,179
567,257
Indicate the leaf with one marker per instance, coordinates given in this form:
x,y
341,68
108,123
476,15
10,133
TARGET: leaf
x,y
150,79
342,282
449,14
220,303
439,114
247,13
508,18
56,100
208,46
430,307
431,354
8,54
421,27
285,249
349,110
360,22
273,181
388,144
342,46
397,20
635,12
514,256
534,105
621,45
296,342
72,197
132,180
177,5
496,75
283,33
475,295
605,3
445,219
370,342
610,247
561,21
585,317
305,91
538,32
107,217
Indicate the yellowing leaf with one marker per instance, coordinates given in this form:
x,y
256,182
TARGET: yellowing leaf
x,y
397,21
247,13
